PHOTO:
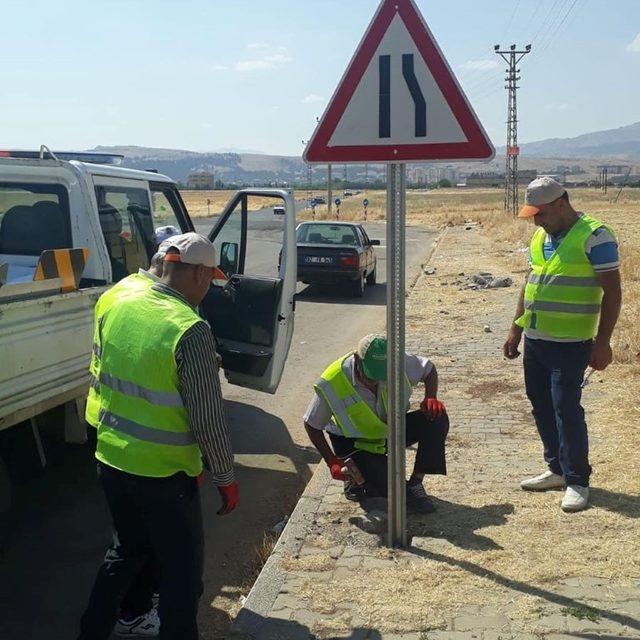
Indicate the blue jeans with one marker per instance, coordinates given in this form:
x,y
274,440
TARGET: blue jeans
x,y
553,373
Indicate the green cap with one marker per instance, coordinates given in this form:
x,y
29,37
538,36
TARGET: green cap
x,y
372,350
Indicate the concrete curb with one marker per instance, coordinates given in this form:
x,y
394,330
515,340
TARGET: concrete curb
x,y
266,588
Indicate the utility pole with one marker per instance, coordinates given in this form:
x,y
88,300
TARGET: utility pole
x,y
329,190
309,181
345,176
512,57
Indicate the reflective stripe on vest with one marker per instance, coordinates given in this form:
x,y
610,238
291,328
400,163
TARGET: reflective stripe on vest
x,y
562,297
143,425
162,398
142,432
563,307
565,281
340,408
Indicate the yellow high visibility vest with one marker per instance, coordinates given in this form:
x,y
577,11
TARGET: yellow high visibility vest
x,y
350,413
143,425
562,297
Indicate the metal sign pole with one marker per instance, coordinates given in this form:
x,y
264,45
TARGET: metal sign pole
x,y
396,482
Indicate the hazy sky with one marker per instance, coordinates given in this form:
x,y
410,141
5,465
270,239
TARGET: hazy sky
x,y
254,74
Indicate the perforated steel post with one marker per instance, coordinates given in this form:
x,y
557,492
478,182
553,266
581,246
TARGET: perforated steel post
x,y
397,509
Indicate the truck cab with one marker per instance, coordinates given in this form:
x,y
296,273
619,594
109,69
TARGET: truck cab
x,y
52,202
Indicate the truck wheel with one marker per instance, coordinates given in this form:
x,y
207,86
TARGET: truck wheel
x,y
358,287
371,278
5,502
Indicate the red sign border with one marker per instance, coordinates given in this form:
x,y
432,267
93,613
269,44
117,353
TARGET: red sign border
x,y
477,147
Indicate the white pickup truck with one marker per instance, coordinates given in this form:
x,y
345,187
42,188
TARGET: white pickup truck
x,y
50,203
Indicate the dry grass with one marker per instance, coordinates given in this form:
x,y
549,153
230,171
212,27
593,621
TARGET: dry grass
x,y
490,544
199,207
510,237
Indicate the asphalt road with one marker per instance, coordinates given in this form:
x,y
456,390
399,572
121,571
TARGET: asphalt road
x,y
61,524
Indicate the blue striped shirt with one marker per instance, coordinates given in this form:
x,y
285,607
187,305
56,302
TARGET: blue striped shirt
x,y
601,249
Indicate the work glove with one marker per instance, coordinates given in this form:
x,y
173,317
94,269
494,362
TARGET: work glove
x,y
230,494
335,467
433,408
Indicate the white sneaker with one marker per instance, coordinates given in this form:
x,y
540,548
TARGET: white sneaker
x,y
546,480
146,626
576,498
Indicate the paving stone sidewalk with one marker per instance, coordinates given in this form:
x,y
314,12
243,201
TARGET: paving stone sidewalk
x,y
330,575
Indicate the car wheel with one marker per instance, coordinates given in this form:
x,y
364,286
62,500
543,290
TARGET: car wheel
x,y
371,278
358,287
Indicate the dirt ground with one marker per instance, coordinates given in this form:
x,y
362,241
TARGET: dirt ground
x,y
490,544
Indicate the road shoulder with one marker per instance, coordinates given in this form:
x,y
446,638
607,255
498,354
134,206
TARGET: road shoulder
x,y
493,562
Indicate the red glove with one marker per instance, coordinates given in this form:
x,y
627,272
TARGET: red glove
x,y
230,494
433,408
335,467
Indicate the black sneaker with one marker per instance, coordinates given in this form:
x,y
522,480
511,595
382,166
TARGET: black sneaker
x,y
417,499
353,492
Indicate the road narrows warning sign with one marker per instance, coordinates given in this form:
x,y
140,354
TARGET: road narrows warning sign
x,y
398,100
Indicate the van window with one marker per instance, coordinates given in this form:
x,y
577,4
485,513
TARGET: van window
x,y
168,211
127,226
33,218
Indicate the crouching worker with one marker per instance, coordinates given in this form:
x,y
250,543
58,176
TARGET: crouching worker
x,y
350,404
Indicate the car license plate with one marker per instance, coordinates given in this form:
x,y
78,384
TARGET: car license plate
x,y
318,260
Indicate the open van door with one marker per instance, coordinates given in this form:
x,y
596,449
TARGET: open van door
x,y
250,304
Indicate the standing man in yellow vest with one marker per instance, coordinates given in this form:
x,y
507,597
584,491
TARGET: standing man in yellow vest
x,y
160,411
567,309
350,404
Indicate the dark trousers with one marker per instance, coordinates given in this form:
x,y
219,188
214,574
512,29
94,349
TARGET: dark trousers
x,y
430,457
139,598
158,517
553,374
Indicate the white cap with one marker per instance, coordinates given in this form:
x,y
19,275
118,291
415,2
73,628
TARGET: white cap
x,y
192,249
163,233
540,191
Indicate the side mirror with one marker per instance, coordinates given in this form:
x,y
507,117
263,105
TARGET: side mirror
x,y
229,258
375,243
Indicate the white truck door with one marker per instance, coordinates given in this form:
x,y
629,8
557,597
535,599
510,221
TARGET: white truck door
x,y
252,311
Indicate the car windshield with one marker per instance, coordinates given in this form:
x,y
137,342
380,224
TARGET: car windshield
x,y
327,234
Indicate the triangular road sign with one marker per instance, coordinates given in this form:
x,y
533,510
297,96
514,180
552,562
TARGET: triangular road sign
x,y
398,100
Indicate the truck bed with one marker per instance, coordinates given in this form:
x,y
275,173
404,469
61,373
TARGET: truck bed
x,y
45,346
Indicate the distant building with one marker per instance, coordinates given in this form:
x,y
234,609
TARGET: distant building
x,y
494,179
201,180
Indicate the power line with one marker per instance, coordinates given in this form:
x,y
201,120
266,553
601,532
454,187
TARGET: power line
x,y
509,23
551,38
547,19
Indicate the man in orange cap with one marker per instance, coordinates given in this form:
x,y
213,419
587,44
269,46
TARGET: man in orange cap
x,y
567,309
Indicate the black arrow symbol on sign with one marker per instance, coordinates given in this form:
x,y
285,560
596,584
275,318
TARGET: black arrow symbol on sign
x,y
384,104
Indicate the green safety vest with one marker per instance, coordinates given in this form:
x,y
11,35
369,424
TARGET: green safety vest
x,y
143,425
131,285
562,297
350,413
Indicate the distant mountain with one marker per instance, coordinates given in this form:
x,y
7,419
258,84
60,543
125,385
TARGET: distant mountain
x,y
228,166
231,167
237,167
234,150
622,143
